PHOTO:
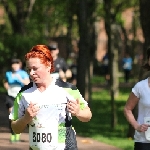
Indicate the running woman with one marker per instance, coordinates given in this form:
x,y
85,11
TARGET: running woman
x,y
47,105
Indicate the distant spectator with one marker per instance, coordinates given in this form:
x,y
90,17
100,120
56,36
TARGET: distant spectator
x,y
127,66
106,69
62,70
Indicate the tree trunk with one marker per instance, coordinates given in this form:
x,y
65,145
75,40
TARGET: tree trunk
x,y
112,56
145,22
83,47
69,28
19,18
86,47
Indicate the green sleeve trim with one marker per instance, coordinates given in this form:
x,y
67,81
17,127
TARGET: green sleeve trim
x,y
16,106
61,125
76,94
61,133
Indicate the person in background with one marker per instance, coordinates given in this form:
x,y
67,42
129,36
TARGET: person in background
x,y
127,66
14,80
62,70
139,97
72,63
105,62
47,105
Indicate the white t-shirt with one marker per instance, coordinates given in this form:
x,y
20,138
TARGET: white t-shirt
x,y
13,90
142,91
55,75
51,129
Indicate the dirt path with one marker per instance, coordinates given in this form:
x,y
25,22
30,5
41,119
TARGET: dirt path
x,y
83,143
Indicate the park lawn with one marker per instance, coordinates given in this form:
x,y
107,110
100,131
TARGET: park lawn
x,y
99,127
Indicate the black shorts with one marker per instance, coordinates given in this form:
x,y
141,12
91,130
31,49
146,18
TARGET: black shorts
x,y
106,70
9,101
141,146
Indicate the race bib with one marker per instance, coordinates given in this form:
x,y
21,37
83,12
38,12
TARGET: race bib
x,y
44,130
147,133
43,135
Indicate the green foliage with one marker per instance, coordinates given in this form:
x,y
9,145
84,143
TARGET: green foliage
x,y
2,49
46,16
16,46
117,7
119,19
12,5
54,16
124,4
99,127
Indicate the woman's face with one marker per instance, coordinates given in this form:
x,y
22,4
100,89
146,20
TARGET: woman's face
x,y
38,71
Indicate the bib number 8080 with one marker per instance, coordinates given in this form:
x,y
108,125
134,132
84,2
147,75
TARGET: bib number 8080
x,y
42,137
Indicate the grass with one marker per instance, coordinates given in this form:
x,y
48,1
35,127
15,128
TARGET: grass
x,y
99,128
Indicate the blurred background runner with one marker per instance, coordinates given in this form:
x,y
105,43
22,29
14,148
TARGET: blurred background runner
x,y
14,80
62,70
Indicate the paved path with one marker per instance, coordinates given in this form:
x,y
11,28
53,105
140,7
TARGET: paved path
x,y
83,143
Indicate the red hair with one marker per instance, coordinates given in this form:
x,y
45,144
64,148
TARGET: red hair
x,y
43,53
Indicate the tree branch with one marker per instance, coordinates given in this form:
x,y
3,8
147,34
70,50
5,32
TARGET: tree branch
x,y
30,8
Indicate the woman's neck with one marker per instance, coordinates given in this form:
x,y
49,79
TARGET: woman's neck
x,y
44,85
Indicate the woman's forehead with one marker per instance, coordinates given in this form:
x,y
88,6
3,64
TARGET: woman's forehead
x,y
33,61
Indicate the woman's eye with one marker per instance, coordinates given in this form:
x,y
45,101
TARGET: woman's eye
x,y
35,69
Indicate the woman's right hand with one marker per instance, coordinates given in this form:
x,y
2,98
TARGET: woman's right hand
x,y
31,111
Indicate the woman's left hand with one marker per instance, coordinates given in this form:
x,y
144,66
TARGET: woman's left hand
x,y
142,127
73,107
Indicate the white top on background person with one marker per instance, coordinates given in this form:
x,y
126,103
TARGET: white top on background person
x,y
140,96
142,91
62,70
46,105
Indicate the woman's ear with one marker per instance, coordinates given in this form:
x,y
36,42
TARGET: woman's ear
x,y
49,67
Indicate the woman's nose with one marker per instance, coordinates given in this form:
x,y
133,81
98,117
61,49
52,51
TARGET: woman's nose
x,y
31,72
